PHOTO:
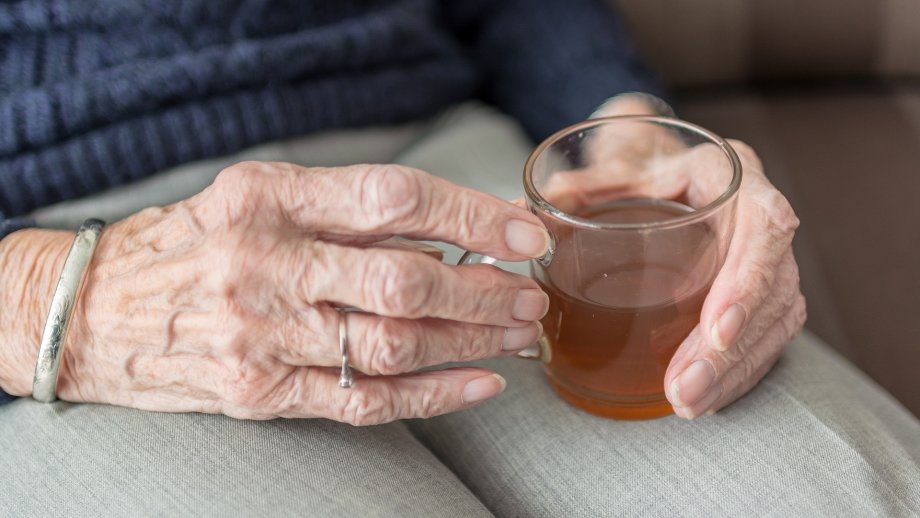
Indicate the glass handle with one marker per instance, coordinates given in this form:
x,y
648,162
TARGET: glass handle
x,y
537,351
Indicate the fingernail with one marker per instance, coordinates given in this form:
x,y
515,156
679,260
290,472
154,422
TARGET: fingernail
x,y
517,338
483,388
693,383
526,238
530,305
726,329
703,406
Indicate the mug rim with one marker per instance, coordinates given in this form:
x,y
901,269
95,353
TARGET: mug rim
x,y
534,195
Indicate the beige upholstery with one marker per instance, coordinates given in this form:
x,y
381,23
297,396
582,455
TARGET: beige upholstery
x,y
779,75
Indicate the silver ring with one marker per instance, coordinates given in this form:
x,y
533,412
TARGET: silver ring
x,y
346,380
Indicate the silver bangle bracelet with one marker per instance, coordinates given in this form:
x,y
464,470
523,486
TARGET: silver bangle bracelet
x,y
44,384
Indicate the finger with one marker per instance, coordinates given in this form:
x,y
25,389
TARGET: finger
x,y
688,379
697,176
387,199
384,241
764,228
731,395
397,283
382,399
627,104
389,346
738,377
571,191
398,243
631,143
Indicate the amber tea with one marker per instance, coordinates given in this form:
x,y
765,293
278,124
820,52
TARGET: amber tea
x,y
640,211
620,308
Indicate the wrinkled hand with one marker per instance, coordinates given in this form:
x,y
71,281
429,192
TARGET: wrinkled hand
x,y
755,305
226,302
753,309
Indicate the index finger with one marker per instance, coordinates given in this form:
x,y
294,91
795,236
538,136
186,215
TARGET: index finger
x,y
392,199
762,238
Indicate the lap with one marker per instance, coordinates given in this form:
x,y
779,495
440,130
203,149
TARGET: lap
x,y
815,438
90,460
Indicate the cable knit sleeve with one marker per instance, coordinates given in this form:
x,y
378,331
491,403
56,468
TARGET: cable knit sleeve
x,y
549,63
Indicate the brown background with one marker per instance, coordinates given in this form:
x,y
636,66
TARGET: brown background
x,y
828,94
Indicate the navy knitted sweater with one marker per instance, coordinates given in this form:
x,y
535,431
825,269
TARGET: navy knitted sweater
x,y
97,93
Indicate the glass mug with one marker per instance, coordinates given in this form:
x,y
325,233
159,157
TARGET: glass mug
x,y
640,211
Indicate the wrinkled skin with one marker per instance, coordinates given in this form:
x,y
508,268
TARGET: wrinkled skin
x,y
755,305
225,302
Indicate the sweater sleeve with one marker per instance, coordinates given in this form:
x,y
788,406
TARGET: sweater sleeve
x,y
7,227
550,63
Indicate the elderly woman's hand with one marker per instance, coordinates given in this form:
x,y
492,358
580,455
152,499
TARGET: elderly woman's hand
x,y
753,309
755,305
226,302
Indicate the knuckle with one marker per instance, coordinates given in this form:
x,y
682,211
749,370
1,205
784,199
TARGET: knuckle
x,y
399,286
390,194
394,349
299,266
799,314
285,395
781,219
477,343
431,403
498,290
783,216
238,177
757,276
731,356
238,189
746,367
233,177
466,221
364,408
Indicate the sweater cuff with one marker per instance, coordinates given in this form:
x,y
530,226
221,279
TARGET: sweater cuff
x,y
7,227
